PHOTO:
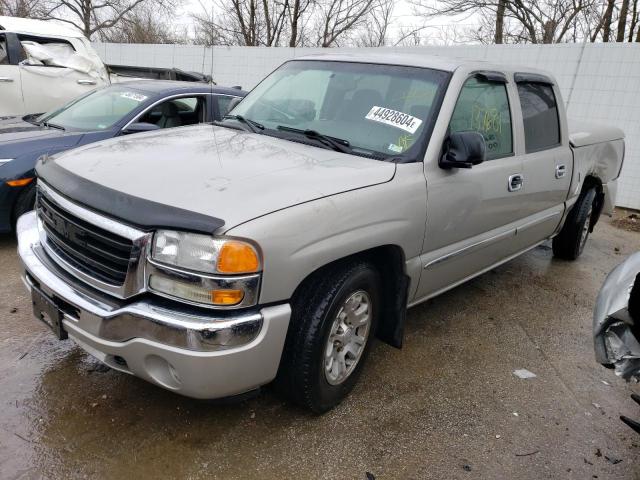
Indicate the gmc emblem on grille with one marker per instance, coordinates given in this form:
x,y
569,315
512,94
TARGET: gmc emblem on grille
x,y
69,231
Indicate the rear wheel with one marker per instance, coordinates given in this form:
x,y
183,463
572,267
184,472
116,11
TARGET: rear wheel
x,y
570,242
332,327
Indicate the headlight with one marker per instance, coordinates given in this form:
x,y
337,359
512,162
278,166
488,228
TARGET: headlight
x,y
204,270
5,160
203,253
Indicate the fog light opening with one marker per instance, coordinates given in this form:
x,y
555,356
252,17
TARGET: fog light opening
x,y
120,361
162,372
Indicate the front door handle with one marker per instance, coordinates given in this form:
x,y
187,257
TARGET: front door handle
x,y
561,171
86,82
6,79
515,182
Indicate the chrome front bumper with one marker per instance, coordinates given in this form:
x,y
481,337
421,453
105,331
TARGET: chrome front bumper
x,y
201,355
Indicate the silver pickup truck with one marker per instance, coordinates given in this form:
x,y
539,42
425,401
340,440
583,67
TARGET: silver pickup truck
x,y
275,246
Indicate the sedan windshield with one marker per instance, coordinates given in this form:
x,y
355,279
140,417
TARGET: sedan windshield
x,y
99,110
376,110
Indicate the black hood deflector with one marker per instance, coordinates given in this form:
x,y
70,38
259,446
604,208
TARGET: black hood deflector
x,y
137,212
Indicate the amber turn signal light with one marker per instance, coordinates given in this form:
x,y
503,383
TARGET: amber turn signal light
x,y
21,182
226,297
238,257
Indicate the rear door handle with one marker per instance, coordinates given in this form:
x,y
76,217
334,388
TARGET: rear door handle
x,y
6,79
86,82
561,171
515,182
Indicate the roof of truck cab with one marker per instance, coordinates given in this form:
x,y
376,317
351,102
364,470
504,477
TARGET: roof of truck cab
x,y
38,27
438,62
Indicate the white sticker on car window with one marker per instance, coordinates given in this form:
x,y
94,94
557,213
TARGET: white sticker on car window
x,y
404,121
138,97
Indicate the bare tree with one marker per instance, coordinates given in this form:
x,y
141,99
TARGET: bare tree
x,y
409,36
336,18
296,11
95,16
530,21
142,26
22,8
244,22
500,11
634,20
622,20
375,27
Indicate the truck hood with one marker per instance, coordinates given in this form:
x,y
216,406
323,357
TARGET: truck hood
x,y
228,174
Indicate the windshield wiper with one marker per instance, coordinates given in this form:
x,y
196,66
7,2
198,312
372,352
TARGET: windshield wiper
x,y
255,127
337,144
53,125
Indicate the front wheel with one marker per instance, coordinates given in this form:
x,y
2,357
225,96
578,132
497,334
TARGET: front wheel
x,y
570,242
25,202
332,327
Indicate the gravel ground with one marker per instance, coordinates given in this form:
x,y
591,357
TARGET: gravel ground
x,y
446,406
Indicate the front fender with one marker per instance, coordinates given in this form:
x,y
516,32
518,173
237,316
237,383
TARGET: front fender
x,y
299,240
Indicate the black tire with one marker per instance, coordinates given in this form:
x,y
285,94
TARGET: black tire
x,y
570,242
301,377
25,202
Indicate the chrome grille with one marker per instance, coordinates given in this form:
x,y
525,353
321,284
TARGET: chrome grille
x,y
94,251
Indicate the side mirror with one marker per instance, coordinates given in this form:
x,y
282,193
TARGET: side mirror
x,y
463,150
140,127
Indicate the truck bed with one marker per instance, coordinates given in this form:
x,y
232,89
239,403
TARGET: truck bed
x,y
123,73
598,151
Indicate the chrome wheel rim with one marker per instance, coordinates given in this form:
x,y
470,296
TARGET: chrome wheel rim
x,y
585,230
347,337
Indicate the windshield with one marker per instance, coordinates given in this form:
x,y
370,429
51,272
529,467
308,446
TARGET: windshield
x,y
99,110
377,109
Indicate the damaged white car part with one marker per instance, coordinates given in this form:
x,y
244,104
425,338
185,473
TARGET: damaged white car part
x,y
616,324
45,64
60,55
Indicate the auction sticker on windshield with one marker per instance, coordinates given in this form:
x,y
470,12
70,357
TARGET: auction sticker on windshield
x,y
138,97
406,122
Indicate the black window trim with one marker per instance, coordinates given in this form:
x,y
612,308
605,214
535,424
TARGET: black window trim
x,y
506,91
491,76
524,132
15,52
524,77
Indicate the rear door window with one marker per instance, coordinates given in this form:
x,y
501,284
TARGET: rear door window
x,y
540,115
483,107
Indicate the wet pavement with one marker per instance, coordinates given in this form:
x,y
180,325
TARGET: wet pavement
x,y
446,406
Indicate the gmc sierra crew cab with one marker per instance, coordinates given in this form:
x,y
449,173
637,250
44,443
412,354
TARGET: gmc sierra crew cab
x,y
274,246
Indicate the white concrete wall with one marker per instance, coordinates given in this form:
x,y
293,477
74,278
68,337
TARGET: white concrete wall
x,y
599,82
